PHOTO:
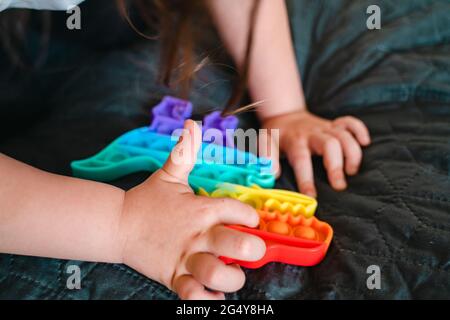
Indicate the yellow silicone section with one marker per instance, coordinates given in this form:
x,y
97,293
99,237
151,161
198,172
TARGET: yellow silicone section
x,y
271,200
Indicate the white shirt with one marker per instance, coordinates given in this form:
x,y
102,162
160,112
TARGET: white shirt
x,y
39,4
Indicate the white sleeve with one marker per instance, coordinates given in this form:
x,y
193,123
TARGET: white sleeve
x,y
39,4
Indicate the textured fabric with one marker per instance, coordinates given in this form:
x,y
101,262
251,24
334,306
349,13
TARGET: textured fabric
x,y
396,211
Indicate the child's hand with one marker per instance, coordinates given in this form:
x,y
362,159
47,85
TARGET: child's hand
x,y
339,142
176,237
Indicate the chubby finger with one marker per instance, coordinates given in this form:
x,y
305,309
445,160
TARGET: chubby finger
x,y
356,127
300,160
188,288
352,150
330,148
224,241
214,273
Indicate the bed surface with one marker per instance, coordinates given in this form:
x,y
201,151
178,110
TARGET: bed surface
x,y
395,213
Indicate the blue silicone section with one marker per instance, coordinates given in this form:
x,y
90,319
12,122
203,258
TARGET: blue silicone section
x,y
144,150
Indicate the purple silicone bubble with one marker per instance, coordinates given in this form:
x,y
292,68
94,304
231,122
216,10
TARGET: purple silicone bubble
x,y
216,121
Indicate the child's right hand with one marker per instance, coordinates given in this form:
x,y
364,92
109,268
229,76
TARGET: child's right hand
x,y
175,237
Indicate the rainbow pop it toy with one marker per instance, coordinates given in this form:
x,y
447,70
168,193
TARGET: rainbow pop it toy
x,y
287,225
266,199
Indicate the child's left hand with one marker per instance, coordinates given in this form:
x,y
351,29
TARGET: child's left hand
x,y
303,134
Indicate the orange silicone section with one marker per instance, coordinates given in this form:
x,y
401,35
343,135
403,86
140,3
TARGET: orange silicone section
x,y
292,239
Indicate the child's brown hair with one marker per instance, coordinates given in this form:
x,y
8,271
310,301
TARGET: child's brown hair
x,y
174,21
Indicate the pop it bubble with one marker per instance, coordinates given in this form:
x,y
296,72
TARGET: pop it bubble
x,y
287,225
291,233
144,150
170,114
289,238
266,199
225,127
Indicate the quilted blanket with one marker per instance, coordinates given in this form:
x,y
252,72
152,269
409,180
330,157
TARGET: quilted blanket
x,y
393,218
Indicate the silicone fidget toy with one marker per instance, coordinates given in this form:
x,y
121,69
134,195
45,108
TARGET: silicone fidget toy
x,y
225,125
291,239
270,199
171,113
287,224
144,150
291,233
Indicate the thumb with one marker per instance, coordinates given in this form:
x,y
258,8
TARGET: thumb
x,y
183,156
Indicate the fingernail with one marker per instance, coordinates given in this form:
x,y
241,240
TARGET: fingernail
x,y
311,193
